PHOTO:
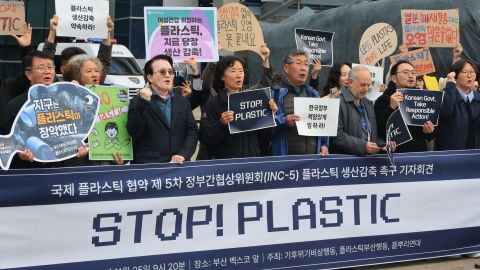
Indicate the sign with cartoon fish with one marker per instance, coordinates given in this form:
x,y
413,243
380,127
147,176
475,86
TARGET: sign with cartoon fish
x,y
109,134
53,123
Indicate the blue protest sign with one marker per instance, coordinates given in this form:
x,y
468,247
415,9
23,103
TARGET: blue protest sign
x,y
318,44
294,212
420,106
251,110
53,123
397,131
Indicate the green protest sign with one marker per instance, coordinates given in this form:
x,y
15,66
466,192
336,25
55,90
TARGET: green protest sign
x,y
109,134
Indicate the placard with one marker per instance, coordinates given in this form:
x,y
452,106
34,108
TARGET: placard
x,y
251,110
82,19
181,32
109,135
12,16
318,116
421,60
53,123
378,41
318,44
430,28
238,29
420,106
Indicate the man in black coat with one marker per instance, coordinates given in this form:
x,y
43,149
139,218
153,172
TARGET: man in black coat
x,y
160,122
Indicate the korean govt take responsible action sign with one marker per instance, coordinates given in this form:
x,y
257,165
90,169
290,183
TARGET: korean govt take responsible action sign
x,y
181,33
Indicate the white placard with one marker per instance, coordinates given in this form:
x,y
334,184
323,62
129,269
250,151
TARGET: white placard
x,y
82,19
377,81
318,116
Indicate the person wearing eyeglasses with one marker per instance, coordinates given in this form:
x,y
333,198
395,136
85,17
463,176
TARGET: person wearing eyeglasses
x,y
286,140
458,123
160,122
39,69
403,75
357,125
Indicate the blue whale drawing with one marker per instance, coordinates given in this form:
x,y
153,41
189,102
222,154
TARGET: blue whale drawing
x,y
53,123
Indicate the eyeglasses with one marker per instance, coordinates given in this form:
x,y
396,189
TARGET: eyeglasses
x,y
305,64
468,72
164,72
408,72
42,68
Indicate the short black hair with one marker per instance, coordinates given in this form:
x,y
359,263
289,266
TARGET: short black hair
x,y
394,69
68,53
224,63
460,64
27,61
148,69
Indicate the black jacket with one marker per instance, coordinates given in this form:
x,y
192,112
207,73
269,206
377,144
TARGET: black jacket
x,y
153,140
383,112
220,143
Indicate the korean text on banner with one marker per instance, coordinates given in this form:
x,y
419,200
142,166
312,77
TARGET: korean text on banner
x,y
82,19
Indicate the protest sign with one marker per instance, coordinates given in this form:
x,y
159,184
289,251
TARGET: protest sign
x,y
377,81
420,106
337,212
109,135
318,116
421,59
318,44
53,123
238,29
181,32
251,110
397,130
378,41
430,28
82,19
431,82
12,18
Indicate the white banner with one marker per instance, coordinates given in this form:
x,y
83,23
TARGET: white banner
x,y
82,19
318,116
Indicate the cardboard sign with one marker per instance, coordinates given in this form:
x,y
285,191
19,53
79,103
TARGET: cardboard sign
x,y
421,59
420,106
318,116
251,110
378,41
12,18
181,32
53,123
377,81
238,29
318,44
82,19
109,134
430,28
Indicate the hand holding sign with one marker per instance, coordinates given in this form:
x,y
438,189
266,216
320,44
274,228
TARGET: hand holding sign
x,y
26,39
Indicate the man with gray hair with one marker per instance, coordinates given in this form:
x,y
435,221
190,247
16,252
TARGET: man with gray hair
x,y
357,125
286,140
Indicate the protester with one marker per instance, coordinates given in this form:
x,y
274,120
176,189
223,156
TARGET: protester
x,y
161,123
214,132
337,78
39,69
402,76
104,50
357,125
286,140
419,83
459,126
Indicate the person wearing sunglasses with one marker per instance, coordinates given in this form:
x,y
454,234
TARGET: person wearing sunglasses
x,y
160,122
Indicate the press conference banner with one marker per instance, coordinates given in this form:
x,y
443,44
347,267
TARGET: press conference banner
x,y
302,212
